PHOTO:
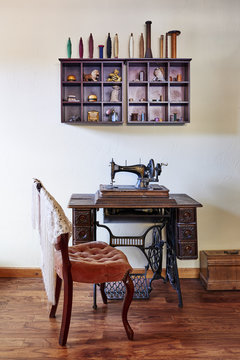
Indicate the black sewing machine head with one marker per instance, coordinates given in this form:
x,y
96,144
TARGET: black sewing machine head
x,y
146,174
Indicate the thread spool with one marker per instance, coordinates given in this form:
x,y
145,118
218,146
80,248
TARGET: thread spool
x,y
148,53
174,34
161,46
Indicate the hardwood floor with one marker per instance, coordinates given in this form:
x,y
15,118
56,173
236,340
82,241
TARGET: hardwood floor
x,y
208,326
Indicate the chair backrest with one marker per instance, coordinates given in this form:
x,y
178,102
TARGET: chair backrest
x,y
54,229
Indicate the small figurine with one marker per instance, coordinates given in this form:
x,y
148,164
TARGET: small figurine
x,y
94,76
92,98
114,76
71,78
158,75
115,93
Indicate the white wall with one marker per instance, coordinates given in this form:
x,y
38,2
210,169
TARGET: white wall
x,y
203,156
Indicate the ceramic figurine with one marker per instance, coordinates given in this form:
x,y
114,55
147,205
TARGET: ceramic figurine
x,y
158,75
81,48
90,45
114,76
115,93
94,76
131,46
69,48
116,46
113,116
109,46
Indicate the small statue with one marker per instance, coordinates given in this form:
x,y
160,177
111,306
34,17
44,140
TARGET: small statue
x,y
94,76
158,75
115,93
114,76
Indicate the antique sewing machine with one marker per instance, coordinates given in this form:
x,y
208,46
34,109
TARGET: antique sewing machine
x,y
142,191
146,174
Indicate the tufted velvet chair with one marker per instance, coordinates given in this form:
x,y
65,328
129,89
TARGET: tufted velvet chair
x,y
93,262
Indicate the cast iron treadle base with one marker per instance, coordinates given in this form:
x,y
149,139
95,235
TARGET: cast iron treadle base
x,y
116,290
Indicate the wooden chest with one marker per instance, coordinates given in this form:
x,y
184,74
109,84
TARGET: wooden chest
x,y
220,269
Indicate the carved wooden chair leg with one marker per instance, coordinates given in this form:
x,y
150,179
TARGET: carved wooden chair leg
x,y
127,302
67,310
57,295
104,297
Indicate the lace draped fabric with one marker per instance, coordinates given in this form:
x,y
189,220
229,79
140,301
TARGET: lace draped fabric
x,y
50,221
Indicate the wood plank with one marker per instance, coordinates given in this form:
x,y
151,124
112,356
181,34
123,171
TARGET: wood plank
x,y
208,326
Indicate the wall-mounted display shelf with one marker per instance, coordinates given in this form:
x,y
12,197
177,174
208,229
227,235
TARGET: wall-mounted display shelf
x,y
158,91
89,95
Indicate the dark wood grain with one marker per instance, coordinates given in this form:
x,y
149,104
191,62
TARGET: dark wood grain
x,y
208,327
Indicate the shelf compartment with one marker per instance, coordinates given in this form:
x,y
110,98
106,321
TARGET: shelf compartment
x,y
88,67
158,111
71,90
156,65
134,70
178,93
71,69
182,113
137,93
110,67
109,88
138,110
179,68
109,107
71,113
92,90
92,107
159,93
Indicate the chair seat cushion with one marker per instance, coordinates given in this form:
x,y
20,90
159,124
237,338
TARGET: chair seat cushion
x,y
94,262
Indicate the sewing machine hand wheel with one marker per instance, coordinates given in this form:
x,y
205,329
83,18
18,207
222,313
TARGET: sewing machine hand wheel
x,y
151,168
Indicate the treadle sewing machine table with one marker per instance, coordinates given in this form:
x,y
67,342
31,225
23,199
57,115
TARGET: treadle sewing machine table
x,y
176,212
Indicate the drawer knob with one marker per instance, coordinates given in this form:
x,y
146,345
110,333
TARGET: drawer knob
x,y
186,215
187,233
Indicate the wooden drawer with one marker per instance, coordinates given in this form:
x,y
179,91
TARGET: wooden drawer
x,y
82,217
187,250
186,232
186,215
82,234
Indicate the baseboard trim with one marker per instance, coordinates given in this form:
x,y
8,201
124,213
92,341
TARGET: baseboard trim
x,y
184,273
187,273
20,272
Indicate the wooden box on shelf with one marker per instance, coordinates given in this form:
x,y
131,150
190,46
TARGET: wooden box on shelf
x,y
89,93
158,91
220,269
